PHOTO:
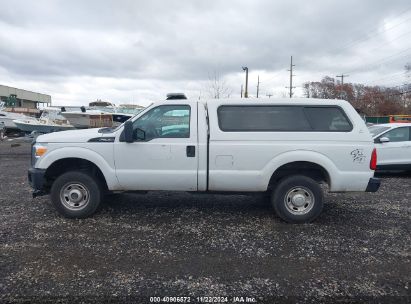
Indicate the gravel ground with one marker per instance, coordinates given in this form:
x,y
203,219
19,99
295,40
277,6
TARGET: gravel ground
x,y
193,245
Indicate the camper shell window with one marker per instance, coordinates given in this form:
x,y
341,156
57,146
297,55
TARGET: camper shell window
x,y
270,118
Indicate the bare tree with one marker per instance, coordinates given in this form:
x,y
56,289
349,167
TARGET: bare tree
x,y
369,100
284,94
407,89
217,86
325,88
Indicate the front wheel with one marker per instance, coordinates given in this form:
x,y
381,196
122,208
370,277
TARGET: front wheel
x,y
76,194
298,199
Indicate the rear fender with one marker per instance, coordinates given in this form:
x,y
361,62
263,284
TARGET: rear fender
x,y
300,156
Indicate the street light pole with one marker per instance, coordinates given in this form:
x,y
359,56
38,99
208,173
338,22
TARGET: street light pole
x,y
246,82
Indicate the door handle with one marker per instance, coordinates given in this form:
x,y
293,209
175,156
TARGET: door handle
x,y
191,151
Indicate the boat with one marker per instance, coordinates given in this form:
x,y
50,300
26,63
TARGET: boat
x,y
132,109
49,121
119,114
119,118
7,118
88,118
100,114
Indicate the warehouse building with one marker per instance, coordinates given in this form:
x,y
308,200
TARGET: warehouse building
x,y
23,101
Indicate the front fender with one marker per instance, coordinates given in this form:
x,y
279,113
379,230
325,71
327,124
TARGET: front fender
x,y
83,153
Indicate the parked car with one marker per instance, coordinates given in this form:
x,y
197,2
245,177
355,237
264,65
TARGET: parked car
x,y
393,143
284,147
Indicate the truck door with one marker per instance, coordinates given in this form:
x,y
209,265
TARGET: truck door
x,y
164,153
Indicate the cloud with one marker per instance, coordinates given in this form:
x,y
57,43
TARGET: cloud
x,y
123,50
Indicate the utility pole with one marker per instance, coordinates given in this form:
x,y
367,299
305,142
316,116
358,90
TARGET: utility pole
x,y
258,84
269,95
241,91
291,77
246,82
342,83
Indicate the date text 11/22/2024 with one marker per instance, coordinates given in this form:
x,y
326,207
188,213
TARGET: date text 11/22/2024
x,y
204,299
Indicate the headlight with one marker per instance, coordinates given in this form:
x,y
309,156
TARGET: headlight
x,y
39,150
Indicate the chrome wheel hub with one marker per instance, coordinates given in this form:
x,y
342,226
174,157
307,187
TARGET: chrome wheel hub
x,y
74,196
299,200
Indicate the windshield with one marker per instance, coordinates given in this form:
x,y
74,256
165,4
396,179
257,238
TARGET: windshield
x,y
376,130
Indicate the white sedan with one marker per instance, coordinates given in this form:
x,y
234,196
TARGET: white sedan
x,y
393,143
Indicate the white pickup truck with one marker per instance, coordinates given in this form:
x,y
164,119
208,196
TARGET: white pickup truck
x,y
284,147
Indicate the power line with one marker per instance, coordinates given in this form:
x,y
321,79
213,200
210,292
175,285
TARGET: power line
x,y
389,85
379,47
391,77
351,44
275,75
382,94
376,63
376,30
383,60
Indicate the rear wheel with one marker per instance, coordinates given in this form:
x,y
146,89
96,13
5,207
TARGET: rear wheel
x,y
76,194
298,199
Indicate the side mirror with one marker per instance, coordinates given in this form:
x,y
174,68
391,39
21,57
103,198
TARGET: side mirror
x,y
128,131
140,134
384,140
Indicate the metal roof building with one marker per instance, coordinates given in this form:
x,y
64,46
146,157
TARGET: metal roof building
x,y
18,98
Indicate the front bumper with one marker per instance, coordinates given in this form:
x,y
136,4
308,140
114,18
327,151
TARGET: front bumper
x,y
373,185
36,180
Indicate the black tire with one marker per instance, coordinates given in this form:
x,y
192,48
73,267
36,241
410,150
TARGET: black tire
x,y
297,199
87,188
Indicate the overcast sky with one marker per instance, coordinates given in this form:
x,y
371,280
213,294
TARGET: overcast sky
x,y
137,51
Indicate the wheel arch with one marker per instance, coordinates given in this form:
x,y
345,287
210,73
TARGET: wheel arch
x,y
77,157
307,163
63,165
308,169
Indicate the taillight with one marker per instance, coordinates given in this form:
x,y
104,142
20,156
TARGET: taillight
x,y
373,162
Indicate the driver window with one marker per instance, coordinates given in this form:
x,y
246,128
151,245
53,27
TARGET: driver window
x,y
168,121
399,134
